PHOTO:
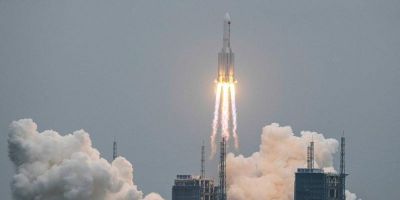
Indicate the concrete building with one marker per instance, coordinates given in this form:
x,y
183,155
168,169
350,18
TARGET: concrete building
x,y
315,184
188,187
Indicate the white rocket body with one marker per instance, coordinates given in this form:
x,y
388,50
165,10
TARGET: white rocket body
x,y
226,72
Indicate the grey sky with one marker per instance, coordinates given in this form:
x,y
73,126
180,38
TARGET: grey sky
x,y
143,71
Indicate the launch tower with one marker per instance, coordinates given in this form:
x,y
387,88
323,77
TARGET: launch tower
x,y
222,170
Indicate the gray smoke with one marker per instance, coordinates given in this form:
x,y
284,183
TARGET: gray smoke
x,y
269,173
50,166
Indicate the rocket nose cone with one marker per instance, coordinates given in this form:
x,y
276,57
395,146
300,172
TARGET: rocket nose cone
x,y
227,17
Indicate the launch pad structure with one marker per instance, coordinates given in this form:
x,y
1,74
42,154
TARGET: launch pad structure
x,y
222,171
314,183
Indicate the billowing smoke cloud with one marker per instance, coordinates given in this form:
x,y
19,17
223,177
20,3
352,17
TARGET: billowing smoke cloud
x,y
269,173
351,196
50,166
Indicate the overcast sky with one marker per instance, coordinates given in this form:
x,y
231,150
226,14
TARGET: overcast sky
x,y
144,71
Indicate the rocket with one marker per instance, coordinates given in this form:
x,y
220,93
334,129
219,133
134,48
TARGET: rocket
x,y
226,72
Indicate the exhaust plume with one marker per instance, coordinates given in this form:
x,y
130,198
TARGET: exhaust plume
x,y
234,123
224,115
225,112
50,166
215,120
272,168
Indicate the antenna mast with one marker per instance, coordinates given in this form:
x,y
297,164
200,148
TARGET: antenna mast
x,y
342,166
342,155
115,154
310,156
203,171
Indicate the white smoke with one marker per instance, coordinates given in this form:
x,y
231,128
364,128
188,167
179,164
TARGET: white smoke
x,y
50,166
351,196
269,173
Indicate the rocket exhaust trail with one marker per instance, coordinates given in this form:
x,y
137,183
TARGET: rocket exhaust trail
x,y
233,106
225,103
215,120
225,111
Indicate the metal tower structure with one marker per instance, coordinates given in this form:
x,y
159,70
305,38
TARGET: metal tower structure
x,y
115,153
222,170
310,156
203,170
342,167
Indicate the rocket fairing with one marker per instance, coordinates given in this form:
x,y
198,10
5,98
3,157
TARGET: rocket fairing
x,y
226,72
